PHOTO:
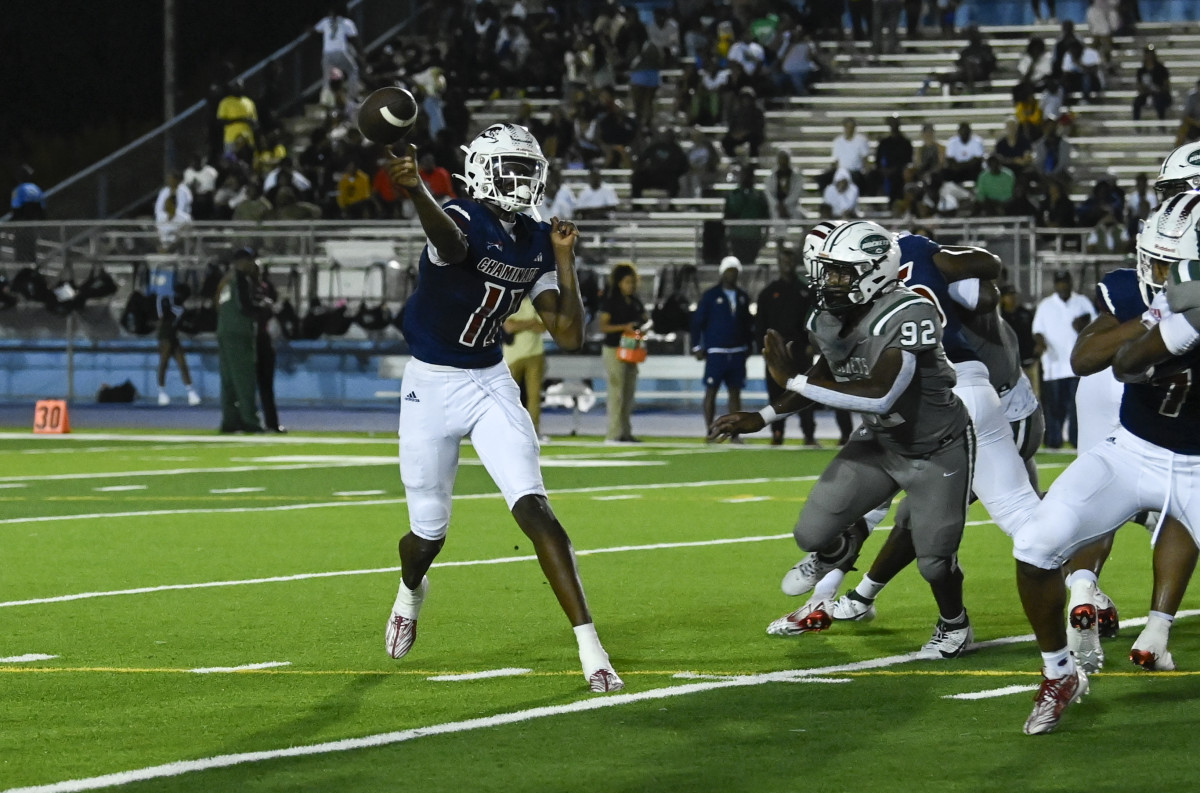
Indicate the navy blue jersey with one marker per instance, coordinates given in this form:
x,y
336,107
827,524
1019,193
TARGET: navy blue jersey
x,y
1165,411
454,316
921,275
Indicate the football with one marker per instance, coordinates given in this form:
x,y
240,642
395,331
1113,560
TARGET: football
x,y
387,115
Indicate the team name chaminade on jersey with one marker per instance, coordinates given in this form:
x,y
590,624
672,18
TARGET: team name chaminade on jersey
x,y
454,316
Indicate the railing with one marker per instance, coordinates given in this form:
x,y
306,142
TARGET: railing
x,y
129,177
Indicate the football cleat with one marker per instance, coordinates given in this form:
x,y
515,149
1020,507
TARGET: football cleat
x,y
604,681
1083,637
1151,654
1052,699
1107,621
853,606
401,631
948,641
801,579
812,616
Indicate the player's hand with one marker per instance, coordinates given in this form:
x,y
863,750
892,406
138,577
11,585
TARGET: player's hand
x,y
779,360
402,168
563,234
732,424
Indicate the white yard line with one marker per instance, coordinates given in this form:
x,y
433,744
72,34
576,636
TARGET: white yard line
x,y
220,491
119,488
508,672
360,492
995,692
27,658
209,670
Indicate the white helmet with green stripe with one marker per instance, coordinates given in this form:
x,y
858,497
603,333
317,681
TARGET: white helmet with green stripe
x,y
853,264
1180,171
1169,236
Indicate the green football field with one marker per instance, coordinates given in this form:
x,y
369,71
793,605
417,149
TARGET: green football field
x,y
201,613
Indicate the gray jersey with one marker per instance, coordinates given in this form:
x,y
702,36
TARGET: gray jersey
x,y
995,342
927,413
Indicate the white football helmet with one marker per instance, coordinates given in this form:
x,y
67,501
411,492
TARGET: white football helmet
x,y
1171,234
1180,171
505,166
855,262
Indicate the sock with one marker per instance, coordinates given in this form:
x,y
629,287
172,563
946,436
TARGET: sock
x,y
827,587
1058,665
1080,577
958,622
591,653
191,390
162,390
868,589
408,602
1158,625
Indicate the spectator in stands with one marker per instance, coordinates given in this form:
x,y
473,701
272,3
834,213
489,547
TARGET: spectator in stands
x,y
722,334
1020,317
436,178
975,64
172,211
663,30
201,179
1189,121
227,197
703,163
1037,11
709,104
947,11
354,193
339,47
1051,102
860,18
1153,85
839,200
750,54
560,199
1013,149
1108,236
1056,325
1036,63
783,189
1027,111
597,200
239,115
851,151
747,125
1066,38
1103,19
253,207
1138,206
511,53
556,133
286,174
615,131
746,203
1082,73
389,202
1130,14
620,312
893,157
994,188
886,16
272,150
1105,199
645,75
1020,205
1057,210
660,165
783,306
795,64
930,156
964,155
1052,154
288,207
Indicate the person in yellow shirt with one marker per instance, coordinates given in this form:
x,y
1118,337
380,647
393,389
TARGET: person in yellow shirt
x,y
525,355
239,114
354,193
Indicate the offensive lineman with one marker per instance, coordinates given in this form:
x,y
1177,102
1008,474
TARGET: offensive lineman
x,y
482,258
881,355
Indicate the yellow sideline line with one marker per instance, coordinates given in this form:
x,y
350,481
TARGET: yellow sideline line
x,y
571,673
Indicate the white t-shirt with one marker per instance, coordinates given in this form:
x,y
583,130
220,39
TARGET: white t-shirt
x,y
1052,320
841,203
203,179
853,153
336,33
602,197
962,152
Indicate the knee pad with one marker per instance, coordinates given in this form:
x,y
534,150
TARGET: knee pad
x,y
843,551
428,514
938,568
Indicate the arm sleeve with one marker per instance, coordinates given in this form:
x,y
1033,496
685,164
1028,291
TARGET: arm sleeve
x,y
880,405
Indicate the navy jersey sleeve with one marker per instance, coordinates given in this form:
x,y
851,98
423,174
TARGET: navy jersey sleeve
x,y
1121,294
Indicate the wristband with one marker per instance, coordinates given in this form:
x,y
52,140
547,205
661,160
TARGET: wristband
x,y
768,414
1178,334
797,384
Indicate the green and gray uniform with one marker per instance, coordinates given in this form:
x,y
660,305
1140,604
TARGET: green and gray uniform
x,y
920,441
995,343
236,331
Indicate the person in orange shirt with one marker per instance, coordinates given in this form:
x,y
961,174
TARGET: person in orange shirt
x,y
437,179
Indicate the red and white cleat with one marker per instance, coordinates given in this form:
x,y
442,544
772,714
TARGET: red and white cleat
x,y
1052,699
812,616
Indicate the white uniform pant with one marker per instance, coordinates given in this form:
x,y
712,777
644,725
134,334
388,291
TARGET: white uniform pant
x,y
1001,480
1104,488
441,406
1097,407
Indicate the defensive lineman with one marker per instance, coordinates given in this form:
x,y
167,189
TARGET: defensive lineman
x,y
881,355
482,258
